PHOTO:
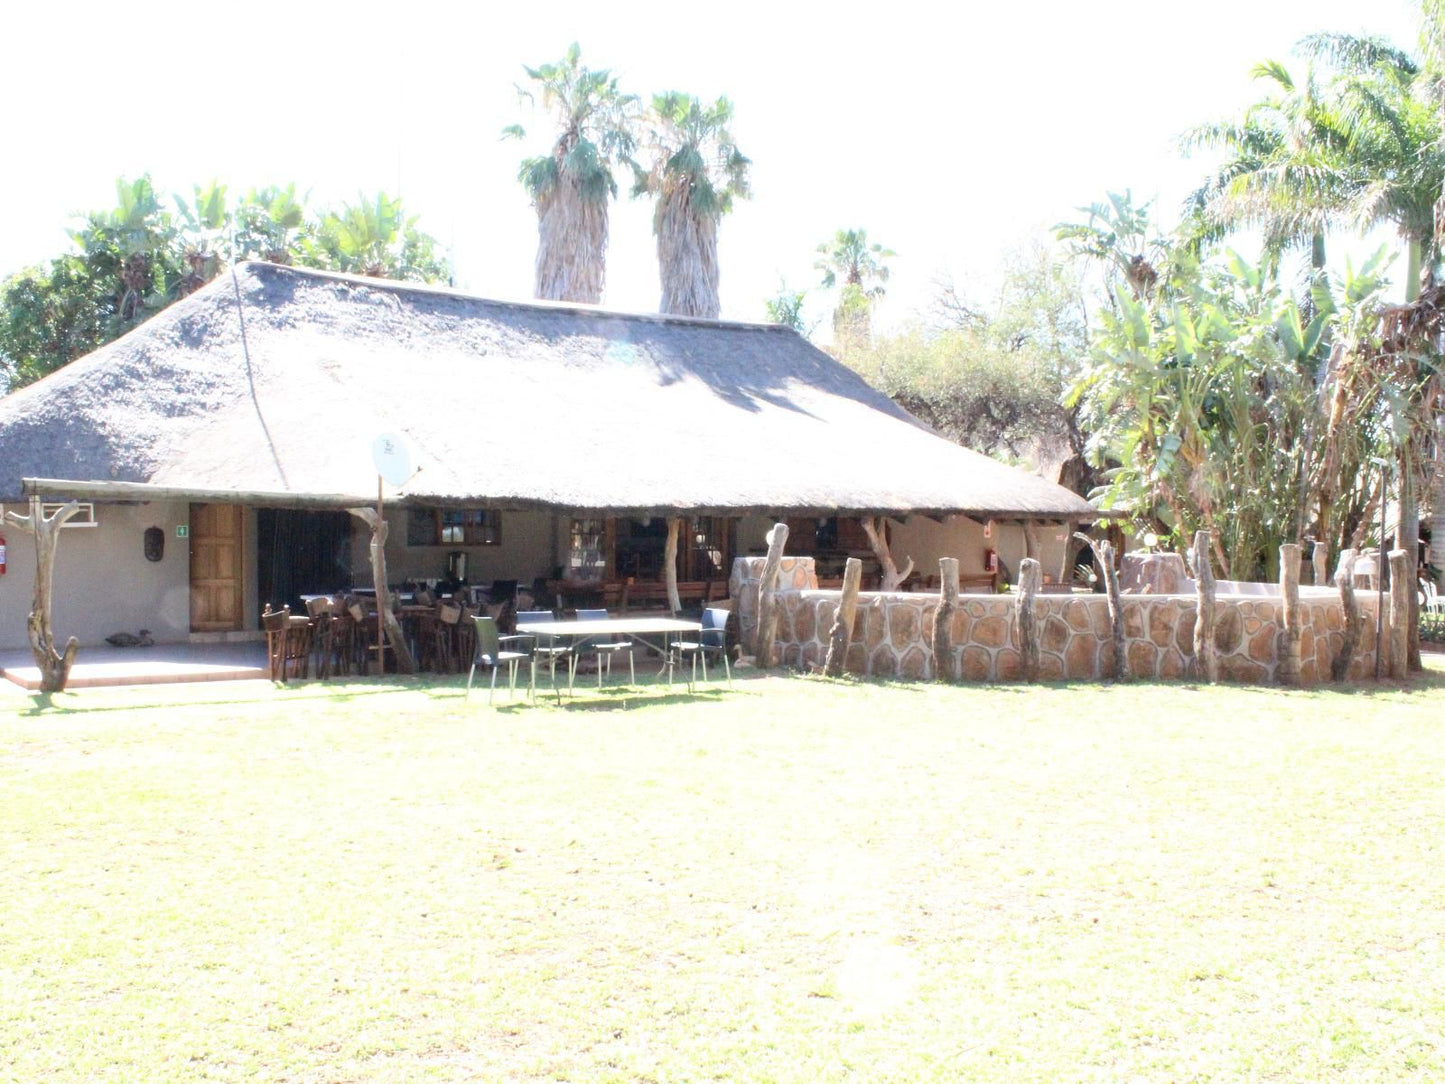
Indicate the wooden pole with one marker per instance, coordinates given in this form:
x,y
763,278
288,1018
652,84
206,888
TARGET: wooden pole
x,y
1206,655
1105,550
54,665
1320,558
384,616
1287,668
1030,580
383,601
1401,587
840,636
1345,581
669,564
768,595
943,619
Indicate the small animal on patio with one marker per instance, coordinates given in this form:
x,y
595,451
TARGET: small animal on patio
x,y
127,639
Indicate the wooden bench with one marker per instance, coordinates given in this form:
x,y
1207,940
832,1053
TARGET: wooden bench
x,y
638,596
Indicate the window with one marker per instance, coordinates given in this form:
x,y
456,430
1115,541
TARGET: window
x,y
589,549
453,527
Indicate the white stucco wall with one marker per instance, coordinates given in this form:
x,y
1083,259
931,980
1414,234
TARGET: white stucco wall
x,y
103,583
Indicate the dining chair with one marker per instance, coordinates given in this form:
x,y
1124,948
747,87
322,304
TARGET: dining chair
x,y
550,650
604,647
712,640
494,651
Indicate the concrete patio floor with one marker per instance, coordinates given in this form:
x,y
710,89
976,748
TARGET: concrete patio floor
x,y
154,665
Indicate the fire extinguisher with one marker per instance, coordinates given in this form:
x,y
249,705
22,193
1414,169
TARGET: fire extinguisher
x,y
2,555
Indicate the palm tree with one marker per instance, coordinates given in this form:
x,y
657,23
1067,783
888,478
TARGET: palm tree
x,y
695,174
1286,173
572,186
849,257
375,237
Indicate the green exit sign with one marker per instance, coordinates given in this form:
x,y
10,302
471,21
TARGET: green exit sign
x,y
183,530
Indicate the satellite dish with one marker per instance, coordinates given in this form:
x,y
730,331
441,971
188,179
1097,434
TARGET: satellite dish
x,y
393,461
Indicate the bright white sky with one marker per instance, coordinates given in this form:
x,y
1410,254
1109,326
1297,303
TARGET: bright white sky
x,y
950,131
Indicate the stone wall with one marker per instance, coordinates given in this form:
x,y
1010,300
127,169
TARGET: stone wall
x,y
892,636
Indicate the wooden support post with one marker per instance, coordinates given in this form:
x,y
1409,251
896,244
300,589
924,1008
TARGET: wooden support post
x,y
840,636
1105,551
1206,656
943,620
669,564
1032,546
1402,585
379,529
1345,581
768,596
54,665
1030,580
1287,656
1320,558
876,528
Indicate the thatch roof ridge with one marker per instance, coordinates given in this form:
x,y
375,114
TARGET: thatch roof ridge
x,y
274,380
579,308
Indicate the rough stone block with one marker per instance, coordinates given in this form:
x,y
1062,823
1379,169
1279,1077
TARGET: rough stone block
x,y
1133,618
914,664
962,627
905,624
991,631
1056,634
856,660
1171,664
976,663
1081,657
1143,659
1008,665
1076,613
805,623
883,663
1051,667
1228,629
1162,616
1262,645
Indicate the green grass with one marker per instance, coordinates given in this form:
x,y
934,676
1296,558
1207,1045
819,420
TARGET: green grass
x,y
798,880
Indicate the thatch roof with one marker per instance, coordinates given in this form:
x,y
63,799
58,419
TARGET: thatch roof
x,y
275,381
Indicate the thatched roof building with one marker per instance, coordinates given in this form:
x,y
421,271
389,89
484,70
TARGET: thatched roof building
x,y
271,383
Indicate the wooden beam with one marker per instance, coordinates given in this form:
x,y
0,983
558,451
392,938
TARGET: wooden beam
x,y
1287,668
1105,550
669,564
768,595
1206,657
1030,580
876,528
943,669
379,530
54,665
1345,581
840,636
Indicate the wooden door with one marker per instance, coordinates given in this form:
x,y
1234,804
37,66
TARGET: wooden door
x,y
216,599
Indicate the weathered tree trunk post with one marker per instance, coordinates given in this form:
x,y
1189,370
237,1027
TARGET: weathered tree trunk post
x,y
1320,558
1402,586
1287,667
384,614
1032,546
669,565
840,636
943,619
54,665
1030,579
1206,655
876,528
768,595
1345,581
1105,550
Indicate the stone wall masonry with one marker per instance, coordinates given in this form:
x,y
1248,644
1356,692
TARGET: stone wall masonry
x,y
893,634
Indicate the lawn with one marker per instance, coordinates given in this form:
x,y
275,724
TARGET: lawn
x,y
798,880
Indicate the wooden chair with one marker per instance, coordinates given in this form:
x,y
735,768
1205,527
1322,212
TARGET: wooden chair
x,y
288,643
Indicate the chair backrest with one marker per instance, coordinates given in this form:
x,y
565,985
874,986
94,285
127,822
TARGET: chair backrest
x,y
544,640
714,626
591,615
489,644
502,591
276,620
322,604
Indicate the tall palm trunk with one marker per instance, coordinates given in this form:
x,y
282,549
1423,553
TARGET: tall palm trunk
x,y
571,244
686,256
